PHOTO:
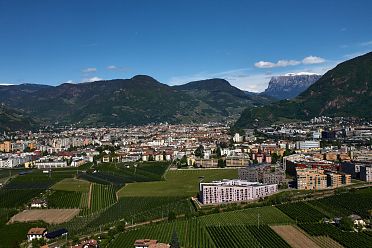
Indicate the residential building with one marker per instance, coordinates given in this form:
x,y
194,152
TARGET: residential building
x,y
236,161
50,164
149,243
36,233
310,179
335,180
307,144
366,173
265,173
234,191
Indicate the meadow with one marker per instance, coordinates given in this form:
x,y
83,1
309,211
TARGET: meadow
x,y
178,183
72,184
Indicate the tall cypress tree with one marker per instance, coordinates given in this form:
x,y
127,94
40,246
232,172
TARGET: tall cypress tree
x,y
174,242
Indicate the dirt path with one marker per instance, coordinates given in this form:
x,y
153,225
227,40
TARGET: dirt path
x,y
90,195
294,237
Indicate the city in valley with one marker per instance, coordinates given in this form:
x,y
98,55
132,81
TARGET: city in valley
x,y
185,124
81,181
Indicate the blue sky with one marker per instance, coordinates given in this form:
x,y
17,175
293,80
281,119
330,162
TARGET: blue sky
x,y
246,42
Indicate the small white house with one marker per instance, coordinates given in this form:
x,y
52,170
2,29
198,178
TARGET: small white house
x,y
38,203
36,233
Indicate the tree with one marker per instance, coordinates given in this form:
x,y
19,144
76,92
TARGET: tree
x,y
151,158
221,163
199,152
218,152
288,152
274,158
174,242
183,161
346,224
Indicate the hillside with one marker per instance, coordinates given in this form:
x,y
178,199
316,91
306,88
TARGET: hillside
x,y
11,119
138,100
345,90
221,96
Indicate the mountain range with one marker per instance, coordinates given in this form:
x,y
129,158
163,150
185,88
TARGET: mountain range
x,y
345,91
290,85
138,100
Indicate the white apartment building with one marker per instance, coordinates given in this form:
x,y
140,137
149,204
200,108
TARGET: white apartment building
x,y
50,164
234,191
307,144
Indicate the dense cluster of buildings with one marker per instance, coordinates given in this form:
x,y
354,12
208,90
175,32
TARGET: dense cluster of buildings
x,y
265,173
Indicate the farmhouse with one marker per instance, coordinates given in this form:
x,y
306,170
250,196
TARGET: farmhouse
x,y
149,243
38,203
91,243
36,233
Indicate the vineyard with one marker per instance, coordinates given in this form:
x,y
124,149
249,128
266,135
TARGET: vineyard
x,y
119,174
190,234
301,212
252,216
357,202
139,209
347,239
245,236
102,197
13,234
35,179
68,199
10,198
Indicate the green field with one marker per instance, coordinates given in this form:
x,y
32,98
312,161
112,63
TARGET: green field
x,y
72,184
251,216
355,202
36,179
177,183
119,174
302,212
68,199
347,239
190,234
13,234
102,196
139,209
245,236
13,198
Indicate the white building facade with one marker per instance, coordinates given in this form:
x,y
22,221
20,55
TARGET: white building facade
x,y
234,191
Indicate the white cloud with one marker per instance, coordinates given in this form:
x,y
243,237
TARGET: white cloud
x,y
92,79
90,70
247,79
313,60
117,68
284,63
280,63
5,84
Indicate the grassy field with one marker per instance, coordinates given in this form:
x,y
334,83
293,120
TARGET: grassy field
x,y
119,174
72,184
251,216
177,183
190,234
